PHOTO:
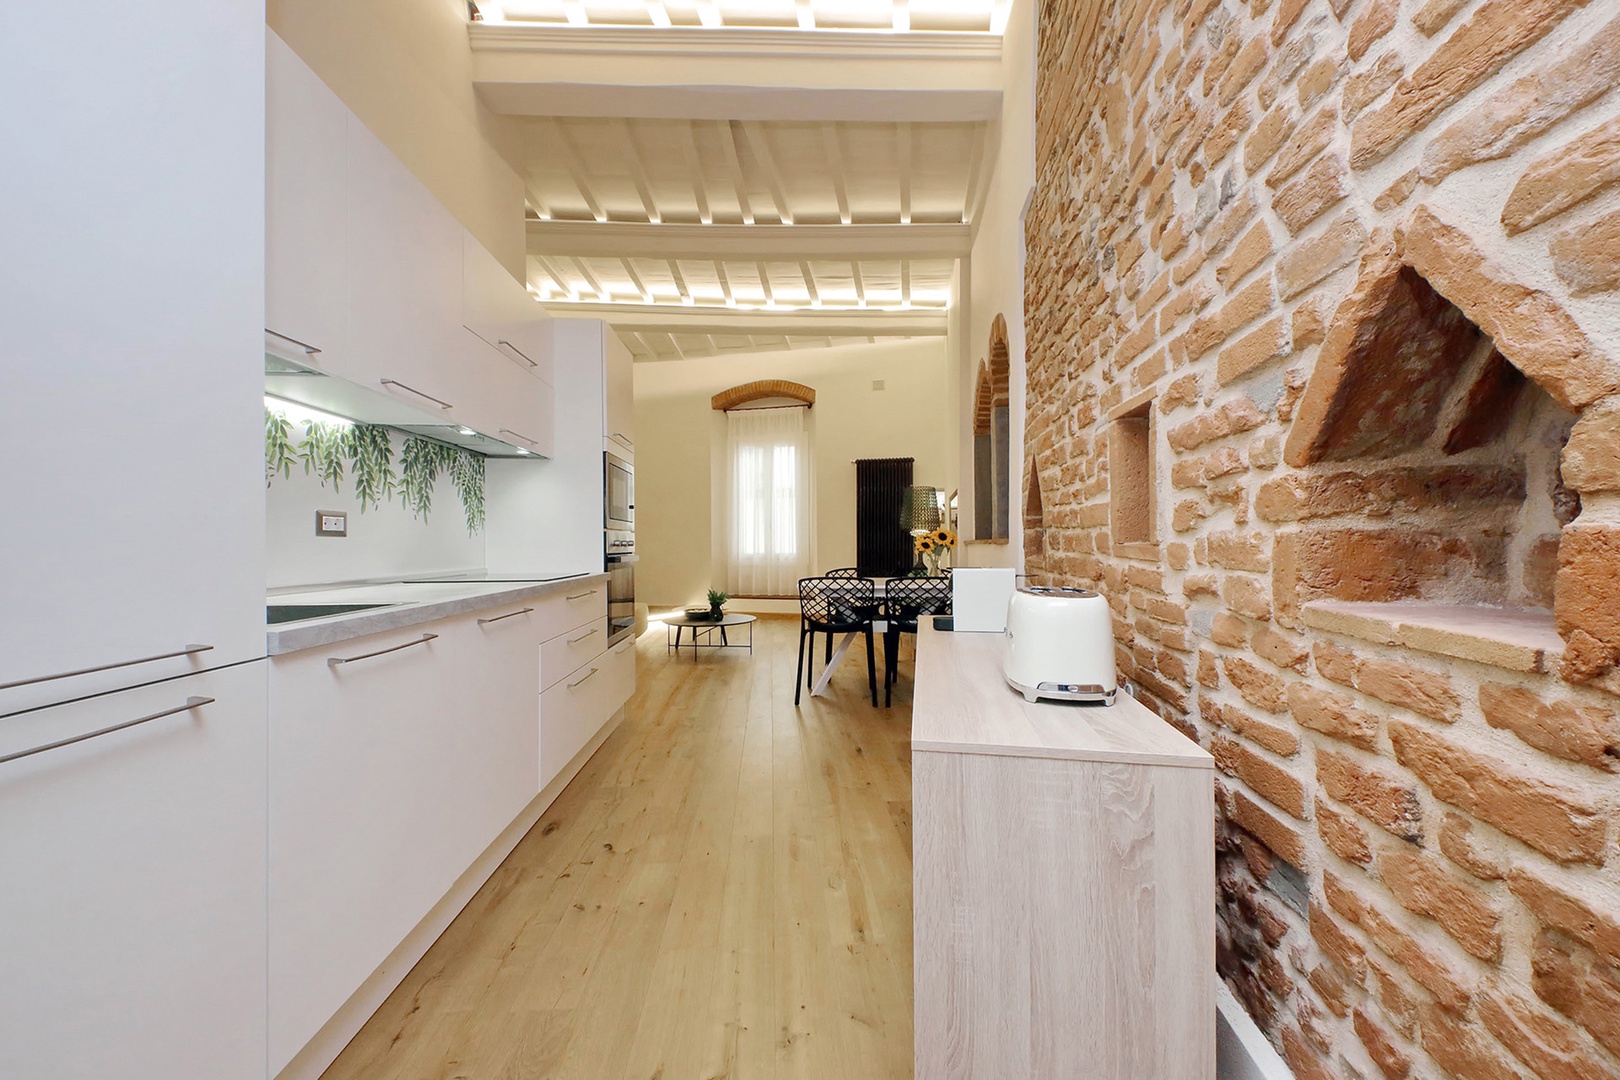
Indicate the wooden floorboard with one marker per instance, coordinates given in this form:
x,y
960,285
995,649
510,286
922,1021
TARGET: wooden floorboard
x,y
723,892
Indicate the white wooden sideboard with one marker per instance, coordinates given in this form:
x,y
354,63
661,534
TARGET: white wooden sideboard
x,y
1064,882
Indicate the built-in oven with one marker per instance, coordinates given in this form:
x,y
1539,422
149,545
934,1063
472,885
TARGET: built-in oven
x,y
621,596
618,494
619,544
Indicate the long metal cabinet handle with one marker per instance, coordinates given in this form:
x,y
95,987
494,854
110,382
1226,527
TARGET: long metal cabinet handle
x,y
582,595
508,615
582,637
523,355
518,435
413,390
334,661
309,349
191,703
189,650
582,678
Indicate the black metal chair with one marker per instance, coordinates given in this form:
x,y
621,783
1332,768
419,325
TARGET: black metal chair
x,y
835,605
840,572
905,601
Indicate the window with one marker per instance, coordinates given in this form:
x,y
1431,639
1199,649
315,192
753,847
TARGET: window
x,y
770,500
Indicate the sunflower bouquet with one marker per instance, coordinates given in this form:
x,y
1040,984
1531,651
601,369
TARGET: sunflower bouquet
x,y
932,546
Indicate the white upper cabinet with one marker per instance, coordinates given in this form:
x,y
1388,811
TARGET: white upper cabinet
x,y
498,309
306,192
549,513
403,282
621,392
372,280
131,377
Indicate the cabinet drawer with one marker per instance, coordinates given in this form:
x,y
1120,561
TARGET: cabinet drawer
x,y
565,653
571,712
132,924
570,608
620,673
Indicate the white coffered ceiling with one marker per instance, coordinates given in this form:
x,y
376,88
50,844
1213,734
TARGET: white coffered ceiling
x,y
719,177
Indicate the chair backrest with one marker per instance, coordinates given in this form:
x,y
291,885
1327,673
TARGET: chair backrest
x,y
906,598
844,571
839,601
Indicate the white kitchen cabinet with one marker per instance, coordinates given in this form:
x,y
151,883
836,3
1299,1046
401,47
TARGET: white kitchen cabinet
x,y
620,397
389,775
497,308
502,400
132,918
549,513
568,652
403,282
130,377
306,217
581,703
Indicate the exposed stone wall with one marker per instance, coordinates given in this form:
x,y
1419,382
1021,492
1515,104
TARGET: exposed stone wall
x,y
1365,255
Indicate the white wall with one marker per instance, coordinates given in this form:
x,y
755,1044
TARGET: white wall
x,y
679,439
994,276
384,542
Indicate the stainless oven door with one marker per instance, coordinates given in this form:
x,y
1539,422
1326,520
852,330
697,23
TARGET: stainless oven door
x,y
621,596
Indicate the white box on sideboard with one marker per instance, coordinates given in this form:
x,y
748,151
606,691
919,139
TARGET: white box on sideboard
x,y
979,598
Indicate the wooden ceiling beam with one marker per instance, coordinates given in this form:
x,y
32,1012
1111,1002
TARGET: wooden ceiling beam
x,y
745,242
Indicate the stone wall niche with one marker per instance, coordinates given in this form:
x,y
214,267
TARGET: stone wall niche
x,y
1428,462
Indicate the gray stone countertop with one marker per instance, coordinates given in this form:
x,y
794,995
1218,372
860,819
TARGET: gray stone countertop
x,y
410,604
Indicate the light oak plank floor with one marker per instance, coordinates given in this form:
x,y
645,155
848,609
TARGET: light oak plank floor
x,y
723,892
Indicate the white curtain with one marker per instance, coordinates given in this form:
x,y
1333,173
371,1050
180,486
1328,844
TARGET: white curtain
x,y
771,501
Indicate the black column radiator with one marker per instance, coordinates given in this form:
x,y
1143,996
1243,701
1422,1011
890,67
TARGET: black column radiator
x,y
882,544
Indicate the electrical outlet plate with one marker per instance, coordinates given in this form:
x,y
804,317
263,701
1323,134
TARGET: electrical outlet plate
x,y
331,523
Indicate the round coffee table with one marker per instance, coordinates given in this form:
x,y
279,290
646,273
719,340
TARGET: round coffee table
x,y
707,627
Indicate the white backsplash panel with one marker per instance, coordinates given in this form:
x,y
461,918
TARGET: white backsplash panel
x,y
385,540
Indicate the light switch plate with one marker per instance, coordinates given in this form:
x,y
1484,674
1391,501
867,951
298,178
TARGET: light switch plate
x,y
331,523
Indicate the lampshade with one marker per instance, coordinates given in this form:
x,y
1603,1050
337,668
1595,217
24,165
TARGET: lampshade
x,y
921,510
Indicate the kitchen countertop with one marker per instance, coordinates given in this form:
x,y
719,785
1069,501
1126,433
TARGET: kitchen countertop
x,y
417,602
963,705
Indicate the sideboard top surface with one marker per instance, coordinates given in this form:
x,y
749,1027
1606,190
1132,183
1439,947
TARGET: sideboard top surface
x,y
963,705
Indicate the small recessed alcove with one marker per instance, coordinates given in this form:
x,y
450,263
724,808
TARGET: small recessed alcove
x,y
1429,462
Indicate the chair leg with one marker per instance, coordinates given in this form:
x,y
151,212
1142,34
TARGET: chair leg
x,y
798,679
871,667
891,642
828,660
810,662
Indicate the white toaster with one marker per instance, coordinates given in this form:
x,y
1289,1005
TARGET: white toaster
x,y
1060,645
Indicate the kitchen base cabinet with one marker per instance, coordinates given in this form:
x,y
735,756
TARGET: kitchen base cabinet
x,y
132,912
577,706
389,774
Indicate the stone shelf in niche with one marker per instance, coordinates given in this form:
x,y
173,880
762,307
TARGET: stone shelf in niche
x,y
1517,639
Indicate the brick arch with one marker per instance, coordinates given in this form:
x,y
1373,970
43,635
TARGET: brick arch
x,y
983,401
1435,332
1000,363
764,388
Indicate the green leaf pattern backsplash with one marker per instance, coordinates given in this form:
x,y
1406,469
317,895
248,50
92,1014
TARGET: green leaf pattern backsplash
x,y
366,453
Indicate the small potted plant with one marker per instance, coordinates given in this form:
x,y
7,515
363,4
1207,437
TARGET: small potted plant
x,y
717,601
